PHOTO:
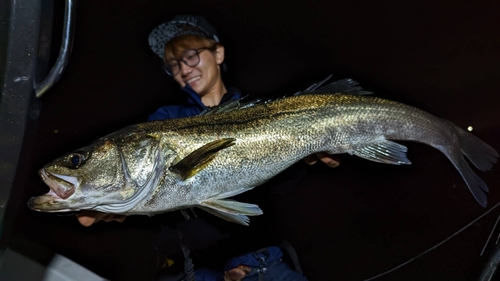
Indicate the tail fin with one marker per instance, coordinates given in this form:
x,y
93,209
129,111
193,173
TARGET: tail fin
x,y
480,154
473,181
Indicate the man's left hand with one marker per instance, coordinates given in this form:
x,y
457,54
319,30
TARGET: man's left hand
x,y
236,274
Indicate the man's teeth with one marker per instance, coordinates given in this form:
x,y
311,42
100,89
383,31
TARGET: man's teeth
x,y
192,79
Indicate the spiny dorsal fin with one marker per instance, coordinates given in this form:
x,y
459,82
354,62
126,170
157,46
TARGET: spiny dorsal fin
x,y
314,86
200,158
230,106
344,86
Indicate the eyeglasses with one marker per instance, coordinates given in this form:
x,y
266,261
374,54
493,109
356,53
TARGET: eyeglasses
x,y
190,58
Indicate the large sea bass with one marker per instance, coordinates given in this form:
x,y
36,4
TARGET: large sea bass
x,y
201,161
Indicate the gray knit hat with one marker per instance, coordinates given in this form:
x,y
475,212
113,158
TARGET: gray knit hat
x,y
180,25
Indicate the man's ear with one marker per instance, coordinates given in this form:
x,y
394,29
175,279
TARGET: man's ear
x,y
219,54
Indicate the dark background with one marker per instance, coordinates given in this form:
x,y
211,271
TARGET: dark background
x,y
349,223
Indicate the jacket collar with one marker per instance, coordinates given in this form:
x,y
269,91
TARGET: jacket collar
x,y
195,100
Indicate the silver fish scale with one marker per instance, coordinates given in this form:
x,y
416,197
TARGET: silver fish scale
x,y
271,137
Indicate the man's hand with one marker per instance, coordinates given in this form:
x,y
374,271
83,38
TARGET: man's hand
x,y
88,218
236,274
332,161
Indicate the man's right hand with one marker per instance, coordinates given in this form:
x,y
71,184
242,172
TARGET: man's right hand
x,y
332,161
88,218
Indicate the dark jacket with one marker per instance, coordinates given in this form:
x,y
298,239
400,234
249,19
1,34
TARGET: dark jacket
x,y
192,107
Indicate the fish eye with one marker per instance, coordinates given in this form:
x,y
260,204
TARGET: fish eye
x,y
75,160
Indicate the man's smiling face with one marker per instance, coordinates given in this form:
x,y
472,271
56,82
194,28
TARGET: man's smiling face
x,y
202,77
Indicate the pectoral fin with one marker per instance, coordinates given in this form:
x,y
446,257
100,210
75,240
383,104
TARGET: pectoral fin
x,y
386,152
200,158
231,210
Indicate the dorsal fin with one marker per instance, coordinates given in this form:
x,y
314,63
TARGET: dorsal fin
x,y
230,105
314,86
343,86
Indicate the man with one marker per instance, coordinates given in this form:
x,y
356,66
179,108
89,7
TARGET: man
x,y
194,57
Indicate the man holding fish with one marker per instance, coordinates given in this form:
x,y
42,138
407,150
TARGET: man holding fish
x,y
194,57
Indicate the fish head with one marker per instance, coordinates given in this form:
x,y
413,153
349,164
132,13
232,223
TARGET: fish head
x,y
107,172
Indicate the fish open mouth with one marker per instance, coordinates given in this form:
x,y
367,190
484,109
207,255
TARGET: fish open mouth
x,y
61,187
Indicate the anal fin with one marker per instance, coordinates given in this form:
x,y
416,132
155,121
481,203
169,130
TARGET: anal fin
x,y
387,152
